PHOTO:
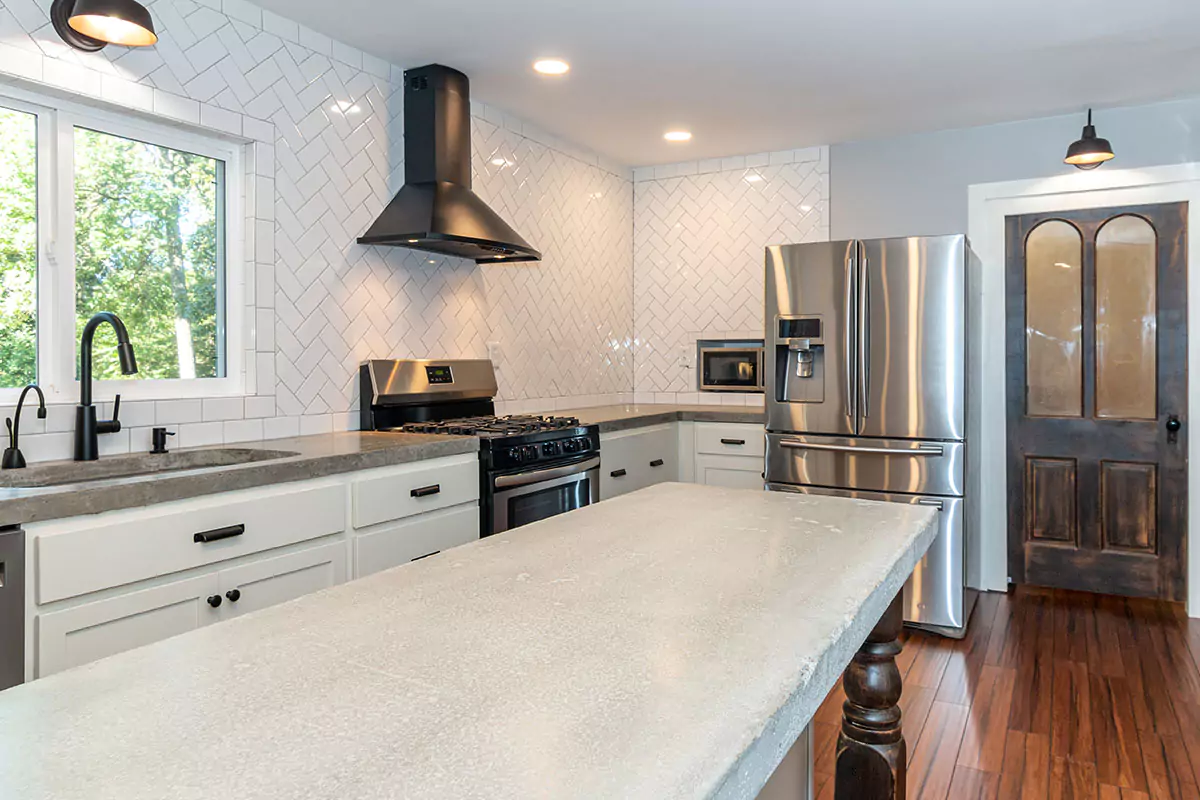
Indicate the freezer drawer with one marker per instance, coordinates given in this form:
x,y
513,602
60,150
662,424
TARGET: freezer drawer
x,y
934,596
878,465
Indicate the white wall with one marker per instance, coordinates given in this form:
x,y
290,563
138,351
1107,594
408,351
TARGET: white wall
x,y
318,302
917,185
700,230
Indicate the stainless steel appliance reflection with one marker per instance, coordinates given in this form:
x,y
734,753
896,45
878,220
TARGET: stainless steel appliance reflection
x,y
12,607
866,392
531,466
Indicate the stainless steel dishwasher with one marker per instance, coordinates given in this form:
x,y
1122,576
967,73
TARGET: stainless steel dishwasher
x,y
12,607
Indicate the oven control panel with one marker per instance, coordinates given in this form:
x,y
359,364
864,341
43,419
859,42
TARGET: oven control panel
x,y
542,450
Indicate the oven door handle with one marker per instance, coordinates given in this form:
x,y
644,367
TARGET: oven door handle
x,y
539,475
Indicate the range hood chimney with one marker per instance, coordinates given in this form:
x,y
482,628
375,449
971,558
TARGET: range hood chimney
x,y
435,210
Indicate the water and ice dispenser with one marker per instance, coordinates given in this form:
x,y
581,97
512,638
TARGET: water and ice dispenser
x,y
800,360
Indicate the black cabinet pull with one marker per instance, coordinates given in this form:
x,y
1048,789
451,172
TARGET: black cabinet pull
x,y
234,595
425,491
219,534
427,555
733,441
658,462
214,600
617,473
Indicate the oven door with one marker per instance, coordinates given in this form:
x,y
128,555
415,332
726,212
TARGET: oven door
x,y
731,369
523,497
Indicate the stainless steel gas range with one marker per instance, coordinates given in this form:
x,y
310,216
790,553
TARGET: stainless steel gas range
x,y
530,467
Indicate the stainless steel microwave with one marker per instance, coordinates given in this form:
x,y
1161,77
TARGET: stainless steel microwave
x,y
730,366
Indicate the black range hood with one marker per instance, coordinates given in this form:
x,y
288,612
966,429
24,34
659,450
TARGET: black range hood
x,y
435,210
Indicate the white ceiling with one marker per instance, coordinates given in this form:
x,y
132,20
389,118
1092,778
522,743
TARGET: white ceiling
x,y
757,75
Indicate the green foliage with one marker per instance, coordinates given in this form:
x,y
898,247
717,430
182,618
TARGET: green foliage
x,y
145,248
18,248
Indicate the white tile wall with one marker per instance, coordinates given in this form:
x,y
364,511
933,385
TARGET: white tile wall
x,y
324,123
698,256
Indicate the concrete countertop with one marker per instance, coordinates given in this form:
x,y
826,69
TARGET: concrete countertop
x,y
670,643
624,417
312,457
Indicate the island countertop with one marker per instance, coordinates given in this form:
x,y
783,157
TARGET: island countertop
x,y
672,642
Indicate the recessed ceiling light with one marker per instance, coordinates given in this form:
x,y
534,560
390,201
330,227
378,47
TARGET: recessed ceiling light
x,y
551,66
678,136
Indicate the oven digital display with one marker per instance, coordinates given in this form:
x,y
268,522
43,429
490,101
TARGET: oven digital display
x,y
439,374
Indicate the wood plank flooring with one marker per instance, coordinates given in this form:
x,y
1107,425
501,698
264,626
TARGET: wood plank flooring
x,y
1052,694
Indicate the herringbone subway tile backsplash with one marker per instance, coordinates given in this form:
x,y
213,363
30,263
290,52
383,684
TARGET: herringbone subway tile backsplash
x,y
633,270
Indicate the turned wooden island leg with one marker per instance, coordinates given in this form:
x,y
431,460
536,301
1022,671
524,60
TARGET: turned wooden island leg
x,y
871,753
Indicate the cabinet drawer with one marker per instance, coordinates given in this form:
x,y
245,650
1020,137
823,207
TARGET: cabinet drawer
x,y
625,458
415,489
414,538
730,439
83,555
102,628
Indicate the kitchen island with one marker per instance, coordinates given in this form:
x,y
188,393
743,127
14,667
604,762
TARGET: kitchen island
x,y
673,642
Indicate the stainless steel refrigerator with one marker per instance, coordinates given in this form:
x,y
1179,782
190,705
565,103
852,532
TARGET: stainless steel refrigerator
x,y
866,390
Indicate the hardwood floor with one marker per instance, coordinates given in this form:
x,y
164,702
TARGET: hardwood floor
x,y
1052,694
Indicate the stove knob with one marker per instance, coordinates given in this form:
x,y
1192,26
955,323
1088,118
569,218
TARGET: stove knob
x,y
550,449
515,454
531,452
582,444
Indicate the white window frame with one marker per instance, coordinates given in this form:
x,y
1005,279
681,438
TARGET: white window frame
x,y
57,347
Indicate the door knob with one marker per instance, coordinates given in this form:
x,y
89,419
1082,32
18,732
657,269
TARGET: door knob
x,y
234,595
1173,426
214,600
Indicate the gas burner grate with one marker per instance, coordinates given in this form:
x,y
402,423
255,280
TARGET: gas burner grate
x,y
512,425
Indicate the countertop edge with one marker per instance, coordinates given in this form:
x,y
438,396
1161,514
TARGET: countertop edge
x,y
746,777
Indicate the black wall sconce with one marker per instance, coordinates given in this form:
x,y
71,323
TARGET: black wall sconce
x,y
1089,151
89,25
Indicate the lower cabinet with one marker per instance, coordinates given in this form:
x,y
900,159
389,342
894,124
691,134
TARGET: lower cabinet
x,y
733,471
270,581
100,628
637,458
387,546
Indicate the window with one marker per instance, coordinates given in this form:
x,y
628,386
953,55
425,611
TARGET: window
x,y
103,213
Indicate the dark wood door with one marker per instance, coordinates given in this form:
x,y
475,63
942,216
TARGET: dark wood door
x,y
1097,399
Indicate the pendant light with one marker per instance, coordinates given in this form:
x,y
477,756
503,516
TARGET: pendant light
x,y
1089,151
89,25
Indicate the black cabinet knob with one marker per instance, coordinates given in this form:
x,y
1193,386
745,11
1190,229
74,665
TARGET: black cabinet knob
x,y
234,595
214,600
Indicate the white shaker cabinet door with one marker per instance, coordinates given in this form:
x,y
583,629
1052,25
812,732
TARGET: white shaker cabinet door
x,y
102,628
270,581
735,472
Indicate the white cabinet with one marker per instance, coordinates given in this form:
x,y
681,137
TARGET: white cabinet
x,y
732,471
102,628
637,458
730,454
270,581
391,545
108,583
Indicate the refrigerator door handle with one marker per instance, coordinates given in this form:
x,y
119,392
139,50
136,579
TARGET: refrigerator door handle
x,y
932,502
921,450
864,334
848,326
